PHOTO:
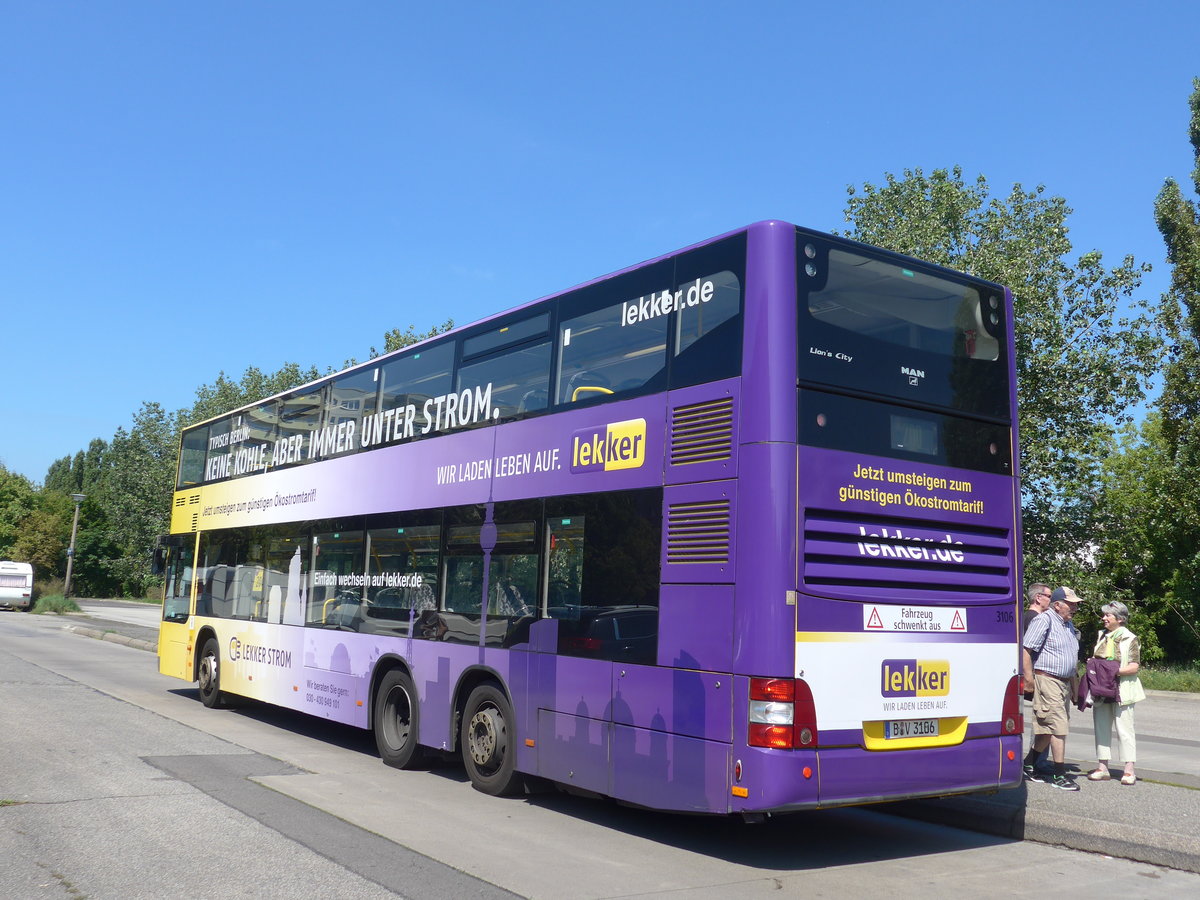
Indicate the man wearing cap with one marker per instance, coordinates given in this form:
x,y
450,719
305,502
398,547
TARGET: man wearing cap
x,y
1053,641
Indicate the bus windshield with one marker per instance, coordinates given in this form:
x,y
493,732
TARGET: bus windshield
x,y
883,324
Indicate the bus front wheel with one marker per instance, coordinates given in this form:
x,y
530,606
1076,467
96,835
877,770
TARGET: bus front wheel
x,y
488,751
209,674
396,717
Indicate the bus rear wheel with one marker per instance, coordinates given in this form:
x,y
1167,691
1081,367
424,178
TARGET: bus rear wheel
x,y
209,675
488,751
396,717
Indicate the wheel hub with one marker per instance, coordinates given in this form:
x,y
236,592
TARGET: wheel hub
x,y
208,672
485,737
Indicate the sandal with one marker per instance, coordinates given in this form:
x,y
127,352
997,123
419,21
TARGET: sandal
x,y
1099,775
1129,778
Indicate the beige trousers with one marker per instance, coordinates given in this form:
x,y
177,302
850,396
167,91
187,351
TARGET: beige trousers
x,y
1105,715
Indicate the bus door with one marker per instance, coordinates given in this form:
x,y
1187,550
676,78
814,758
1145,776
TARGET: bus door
x,y
176,556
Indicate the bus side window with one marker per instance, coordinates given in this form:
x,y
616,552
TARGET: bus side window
x,y
350,400
512,383
402,572
462,579
299,420
600,354
708,288
221,552
192,452
335,597
564,569
407,384
216,457
602,574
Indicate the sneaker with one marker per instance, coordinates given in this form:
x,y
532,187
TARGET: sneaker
x,y
1063,783
1032,774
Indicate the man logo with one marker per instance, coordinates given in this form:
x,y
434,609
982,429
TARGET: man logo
x,y
621,445
915,677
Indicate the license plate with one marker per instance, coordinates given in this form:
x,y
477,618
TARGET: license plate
x,y
910,728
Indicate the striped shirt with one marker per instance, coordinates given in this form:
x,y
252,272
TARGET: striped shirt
x,y
1054,644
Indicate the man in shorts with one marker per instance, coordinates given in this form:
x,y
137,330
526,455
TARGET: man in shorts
x,y
1053,641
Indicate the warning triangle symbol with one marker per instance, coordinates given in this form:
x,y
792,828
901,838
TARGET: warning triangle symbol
x,y
874,621
957,623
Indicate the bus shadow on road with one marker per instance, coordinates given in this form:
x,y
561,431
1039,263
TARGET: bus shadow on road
x,y
816,839
336,734
812,839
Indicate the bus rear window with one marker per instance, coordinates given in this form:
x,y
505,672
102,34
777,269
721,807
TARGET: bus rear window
x,y
914,309
876,322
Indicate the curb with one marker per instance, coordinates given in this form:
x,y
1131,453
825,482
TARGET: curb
x,y
113,637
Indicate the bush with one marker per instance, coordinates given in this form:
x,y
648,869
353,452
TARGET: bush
x,y
48,587
55,603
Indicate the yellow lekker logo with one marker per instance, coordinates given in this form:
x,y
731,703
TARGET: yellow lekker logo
x,y
915,678
622,445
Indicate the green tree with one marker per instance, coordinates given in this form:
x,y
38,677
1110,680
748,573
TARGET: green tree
x,y
1085,349
1137,545
136,496
1179,222
60,476
43,537
78,474
18,500
1153,544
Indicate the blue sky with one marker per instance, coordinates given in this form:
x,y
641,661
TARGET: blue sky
x,y
188,188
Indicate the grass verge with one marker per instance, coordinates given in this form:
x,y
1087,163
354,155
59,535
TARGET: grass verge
x,y
1171,678
55,603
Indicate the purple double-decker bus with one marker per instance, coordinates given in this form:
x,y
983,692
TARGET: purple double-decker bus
x,y
735,530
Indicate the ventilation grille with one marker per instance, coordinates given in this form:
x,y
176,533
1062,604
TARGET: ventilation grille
x,y
702,432
698,533
183,501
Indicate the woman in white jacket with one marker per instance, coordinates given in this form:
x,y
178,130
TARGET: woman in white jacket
x,y
1119,643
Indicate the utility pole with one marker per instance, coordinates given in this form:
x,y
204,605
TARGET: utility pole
x,y
78,498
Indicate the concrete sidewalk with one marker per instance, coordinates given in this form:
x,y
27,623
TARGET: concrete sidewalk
x,y
137,636
1156,821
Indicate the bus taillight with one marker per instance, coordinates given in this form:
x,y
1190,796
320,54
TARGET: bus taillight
x,y
806,716
1011,719
782,714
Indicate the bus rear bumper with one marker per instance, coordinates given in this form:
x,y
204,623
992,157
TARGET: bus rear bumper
x,y
849,776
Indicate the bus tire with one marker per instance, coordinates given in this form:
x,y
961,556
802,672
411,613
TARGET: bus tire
x,y
487,740
208,674
396,715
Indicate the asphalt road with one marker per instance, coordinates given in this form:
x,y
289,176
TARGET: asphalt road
x,y
120,784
